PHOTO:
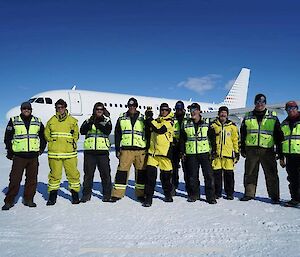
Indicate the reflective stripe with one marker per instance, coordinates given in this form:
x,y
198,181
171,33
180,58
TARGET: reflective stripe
x,y
120,186
96,135
197,138
139,186
266,132
292,137
25,136
62,155
134,132
61,134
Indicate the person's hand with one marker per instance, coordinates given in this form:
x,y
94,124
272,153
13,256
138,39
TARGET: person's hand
x,y
9,155
243,153
213,155
149,114
282,163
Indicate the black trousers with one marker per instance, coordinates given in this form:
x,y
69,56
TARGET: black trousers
x,y
175,164
165,178
91,161
15,177
228,176
293,170
193,163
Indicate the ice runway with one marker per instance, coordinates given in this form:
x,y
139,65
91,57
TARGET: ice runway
x,y
125,228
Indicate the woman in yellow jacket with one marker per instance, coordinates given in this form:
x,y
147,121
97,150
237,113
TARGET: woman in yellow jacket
x,y
227,140
62,134
159,153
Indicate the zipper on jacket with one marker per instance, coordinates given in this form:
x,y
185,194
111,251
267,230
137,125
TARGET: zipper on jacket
x,y
222,139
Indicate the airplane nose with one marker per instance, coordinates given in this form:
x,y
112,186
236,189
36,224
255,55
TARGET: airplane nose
x,y
13,112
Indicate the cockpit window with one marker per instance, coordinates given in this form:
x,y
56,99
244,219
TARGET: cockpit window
x,y
48,100
40,100
31,100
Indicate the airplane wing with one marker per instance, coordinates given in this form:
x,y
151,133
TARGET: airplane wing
x,y
237,114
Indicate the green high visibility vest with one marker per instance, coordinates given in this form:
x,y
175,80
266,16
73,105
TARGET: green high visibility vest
x,y
197,142
291,143
176,127
23,140
132,136
95,139
260,134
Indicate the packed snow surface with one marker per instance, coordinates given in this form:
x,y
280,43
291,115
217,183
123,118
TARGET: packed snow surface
x,y
125,228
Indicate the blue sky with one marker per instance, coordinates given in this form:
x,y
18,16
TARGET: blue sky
x,y
148,47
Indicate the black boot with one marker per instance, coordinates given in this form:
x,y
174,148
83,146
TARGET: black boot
x,y
7,206
168,198
148,201
52,198
75,197
29,203
85,198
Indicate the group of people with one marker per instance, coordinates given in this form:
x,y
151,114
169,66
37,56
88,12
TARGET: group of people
x,y
167,142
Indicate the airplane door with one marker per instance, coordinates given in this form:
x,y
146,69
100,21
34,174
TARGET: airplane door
x,y
75,103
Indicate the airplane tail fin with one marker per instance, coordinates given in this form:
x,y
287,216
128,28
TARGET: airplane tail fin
x,y
237,95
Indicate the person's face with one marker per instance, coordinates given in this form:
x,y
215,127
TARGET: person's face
x,y
60,109
292,111
223,116
260,105
99,111
26,111
132,109
164,112
195,113
178,112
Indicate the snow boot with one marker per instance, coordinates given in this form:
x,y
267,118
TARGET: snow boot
x,y
147,202
52,198
85,198
7,206
29,203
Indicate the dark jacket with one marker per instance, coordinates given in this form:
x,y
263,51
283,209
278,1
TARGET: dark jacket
x,y
9,134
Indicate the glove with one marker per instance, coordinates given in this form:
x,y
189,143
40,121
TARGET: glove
x,y
9,155
237,157
182,156
282,163
149,114
118,153
106,113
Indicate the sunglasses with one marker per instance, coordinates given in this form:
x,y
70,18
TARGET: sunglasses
x,y
193,109
291,108
260,102
60,107
164,109
99,109
131,105
29,109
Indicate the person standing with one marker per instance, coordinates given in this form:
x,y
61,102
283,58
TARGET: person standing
x,y
179,117
198,142
96,152
62,134
260,131
24,141
159,153
291,150
130,144
227,154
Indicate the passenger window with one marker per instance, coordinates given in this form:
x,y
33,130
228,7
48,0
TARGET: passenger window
x,y
116,105
110,105
48,100
40,100
31,100
121,105
105,104
126,105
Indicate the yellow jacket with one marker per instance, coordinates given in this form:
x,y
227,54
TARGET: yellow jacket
x,y
162,132
227,138
62,135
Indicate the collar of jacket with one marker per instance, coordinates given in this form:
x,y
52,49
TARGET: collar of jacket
x,y
62,117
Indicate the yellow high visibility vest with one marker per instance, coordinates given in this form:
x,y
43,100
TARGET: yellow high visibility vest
x,y
23,140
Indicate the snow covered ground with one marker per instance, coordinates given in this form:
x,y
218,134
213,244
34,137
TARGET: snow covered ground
x,y
125,228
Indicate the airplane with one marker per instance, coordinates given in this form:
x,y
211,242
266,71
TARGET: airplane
x,y
80,102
